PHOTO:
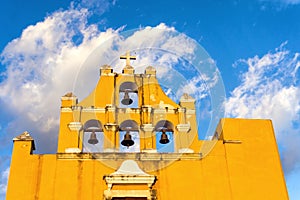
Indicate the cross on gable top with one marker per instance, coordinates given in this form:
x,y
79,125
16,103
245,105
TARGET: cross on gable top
x,y
128,57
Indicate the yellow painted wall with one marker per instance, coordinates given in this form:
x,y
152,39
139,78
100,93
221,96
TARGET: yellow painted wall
x,y
247,170
241,163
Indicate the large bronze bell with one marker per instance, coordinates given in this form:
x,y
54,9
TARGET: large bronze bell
x,y
127,140
126,100
93,138
164,138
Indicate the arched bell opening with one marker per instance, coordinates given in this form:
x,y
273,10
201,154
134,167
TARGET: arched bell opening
x,y
92,136
129,136
164,130
128,95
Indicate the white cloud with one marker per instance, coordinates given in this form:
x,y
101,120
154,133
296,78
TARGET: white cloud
x,y
3,181
270,89
42,63
199,86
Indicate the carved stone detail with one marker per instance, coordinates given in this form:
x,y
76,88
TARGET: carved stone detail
x,y
183,128
75,126
111,127
147,127
129,173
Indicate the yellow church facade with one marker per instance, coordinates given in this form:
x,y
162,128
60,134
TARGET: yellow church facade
x,y
128,140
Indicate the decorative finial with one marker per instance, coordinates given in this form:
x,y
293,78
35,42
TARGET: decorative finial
x,y
128,57
24,136
69,94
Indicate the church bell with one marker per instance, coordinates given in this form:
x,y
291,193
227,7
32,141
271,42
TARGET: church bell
x,y
127,140
126,100
164,138
93,139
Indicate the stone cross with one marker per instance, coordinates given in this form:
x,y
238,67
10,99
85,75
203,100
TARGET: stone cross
x,y
128,57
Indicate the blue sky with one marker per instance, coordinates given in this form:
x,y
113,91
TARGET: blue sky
x,y
255,45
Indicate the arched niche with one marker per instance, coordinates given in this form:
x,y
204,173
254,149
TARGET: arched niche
x,y
128,95
130,127
164,127
92,136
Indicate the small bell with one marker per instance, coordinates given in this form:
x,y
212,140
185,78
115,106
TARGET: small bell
x,y
93,138
127,140
164,138
126,100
